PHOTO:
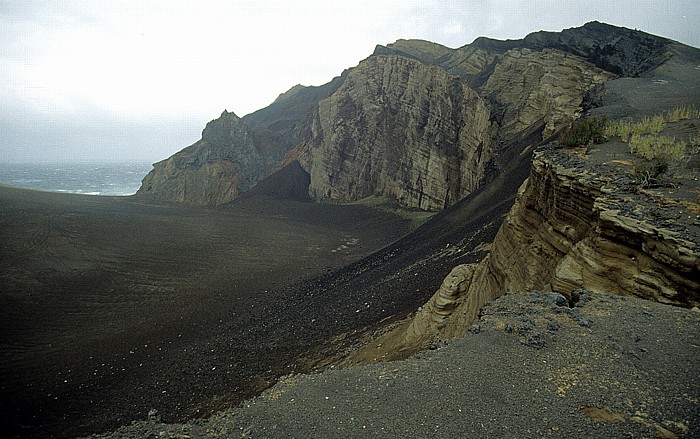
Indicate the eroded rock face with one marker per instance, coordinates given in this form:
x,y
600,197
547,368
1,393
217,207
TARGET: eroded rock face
x,y
418,135
417,122
434,316
215,170
400,129
550,88
235,153
580,220
568,230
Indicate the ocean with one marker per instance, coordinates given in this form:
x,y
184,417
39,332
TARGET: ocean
x,y
108,179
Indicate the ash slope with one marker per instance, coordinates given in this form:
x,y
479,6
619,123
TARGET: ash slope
x,y
532,366
516,361
111,307
394,282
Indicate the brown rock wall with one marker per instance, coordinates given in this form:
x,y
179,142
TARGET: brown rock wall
x,y
565,232
630,257
208,184
532,86
400,129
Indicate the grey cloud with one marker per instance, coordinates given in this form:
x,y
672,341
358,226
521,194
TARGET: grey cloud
x,y
59,137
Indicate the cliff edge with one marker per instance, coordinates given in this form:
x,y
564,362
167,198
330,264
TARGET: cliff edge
x,y
589,216
581,319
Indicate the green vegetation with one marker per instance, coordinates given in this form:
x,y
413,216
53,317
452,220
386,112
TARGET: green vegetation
x,y
658,152
624,129
650,125
682,113
643,137
645,141
657,147
585,132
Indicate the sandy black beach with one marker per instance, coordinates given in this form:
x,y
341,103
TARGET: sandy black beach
x,y
114,306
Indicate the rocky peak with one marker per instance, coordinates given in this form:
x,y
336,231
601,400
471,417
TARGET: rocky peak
x,y
227,126
289,93
622,51
424,51
214,170
494,46
618,50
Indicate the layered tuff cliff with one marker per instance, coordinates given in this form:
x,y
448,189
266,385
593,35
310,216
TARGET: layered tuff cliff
x,y
572,228
584,219
416,122
400,129
215,170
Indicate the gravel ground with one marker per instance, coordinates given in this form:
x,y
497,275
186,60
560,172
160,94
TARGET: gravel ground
x,y
534,365
114,306
110,306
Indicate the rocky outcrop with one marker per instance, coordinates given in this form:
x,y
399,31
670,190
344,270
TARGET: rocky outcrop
x,y
288,118
414,133
215,170
569,230
426,52
400,129
235,153
550,89
572,227
416,123
434,316
580,221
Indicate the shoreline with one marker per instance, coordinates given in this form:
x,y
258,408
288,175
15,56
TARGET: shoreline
x,y
85,178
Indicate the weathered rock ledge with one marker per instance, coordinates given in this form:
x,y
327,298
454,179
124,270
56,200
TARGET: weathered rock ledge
x,y
574,226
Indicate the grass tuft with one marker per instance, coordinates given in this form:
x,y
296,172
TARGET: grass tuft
x,y
657,147
682,113
585,132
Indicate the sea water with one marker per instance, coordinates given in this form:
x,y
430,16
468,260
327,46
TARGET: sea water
x,y
111,179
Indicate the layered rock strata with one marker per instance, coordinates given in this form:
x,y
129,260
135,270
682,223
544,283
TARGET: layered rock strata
x,y
417,123
568,230
581,220
571,228
401,129
550,89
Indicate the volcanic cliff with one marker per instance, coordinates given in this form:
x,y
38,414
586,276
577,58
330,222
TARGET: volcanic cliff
x,y
416,122
585,219
423,126
477,133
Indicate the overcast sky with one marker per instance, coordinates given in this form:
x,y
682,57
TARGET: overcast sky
x,y
138,80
